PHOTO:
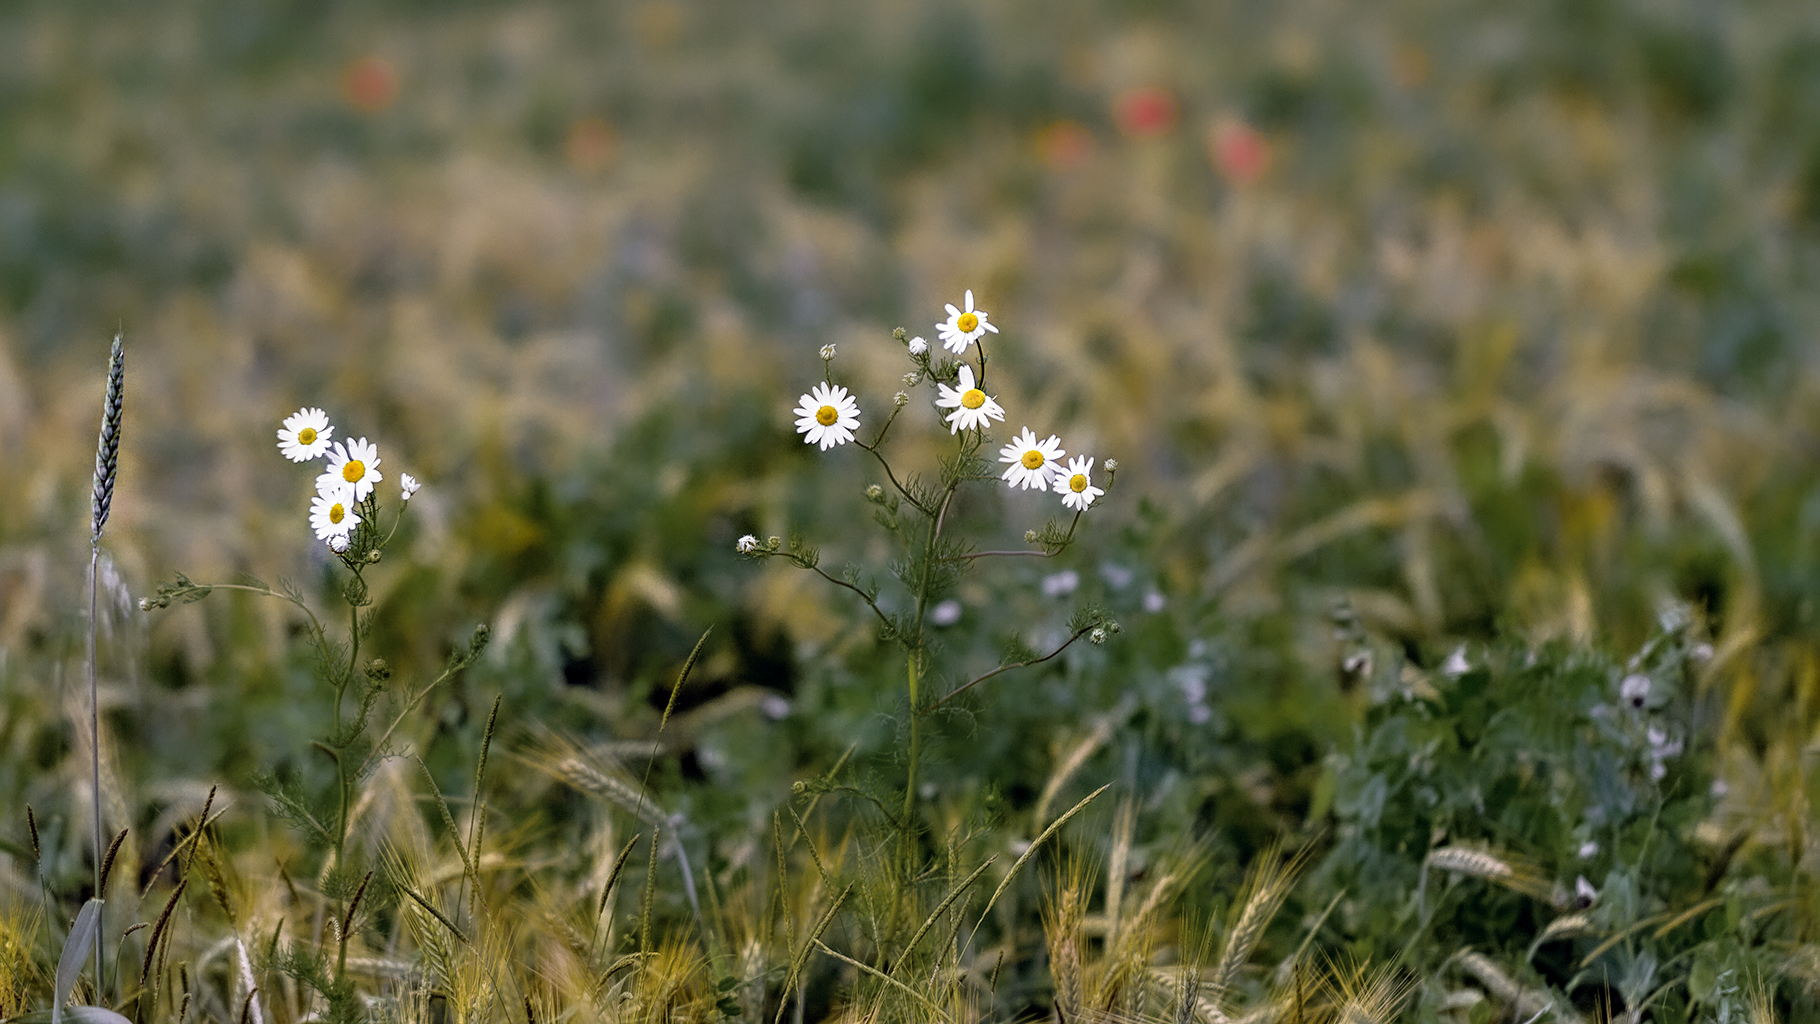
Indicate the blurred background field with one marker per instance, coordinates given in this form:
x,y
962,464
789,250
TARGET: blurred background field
x,y
1480,324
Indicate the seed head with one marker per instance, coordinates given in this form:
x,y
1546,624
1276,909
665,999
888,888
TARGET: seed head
x,y
107,449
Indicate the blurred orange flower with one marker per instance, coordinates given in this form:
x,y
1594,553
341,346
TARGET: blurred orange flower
x,y
369,84
1145,112
1064,144
1238,151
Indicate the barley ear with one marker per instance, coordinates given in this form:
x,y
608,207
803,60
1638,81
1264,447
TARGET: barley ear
x,y
107,449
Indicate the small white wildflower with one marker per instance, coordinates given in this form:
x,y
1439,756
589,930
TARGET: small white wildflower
x,y
1154,602
918,346
946,613
827,352
828,415
1061,584
1456,665
912,379
1031,463
1098,636
1634,690
409,485
973,408
1584,893
774,707
331,517
875,493
1076,483
338,543
353,469
1589,849
305,435
963,326
1112,465
746,545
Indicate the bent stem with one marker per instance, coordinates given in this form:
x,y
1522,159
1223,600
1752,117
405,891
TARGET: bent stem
x,y
94,724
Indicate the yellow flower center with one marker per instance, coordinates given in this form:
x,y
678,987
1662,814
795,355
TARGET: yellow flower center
x,y
306,436
337,513
353,471
968,323
1033,459
973,398
1077,483
826,415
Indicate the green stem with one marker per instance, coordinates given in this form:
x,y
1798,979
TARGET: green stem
x,y
914,662
94,709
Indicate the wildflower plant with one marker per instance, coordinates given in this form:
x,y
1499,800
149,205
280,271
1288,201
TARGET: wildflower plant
x,y
345,514
932,551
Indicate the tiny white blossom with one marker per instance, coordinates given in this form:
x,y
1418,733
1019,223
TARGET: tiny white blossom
x,y
305,435
963,326
354,469
1634,690
1456,665
1031,463
338,543
408,485
827,352
918,346
746,545
1076,483
828,415
1589,849
946,613
973,408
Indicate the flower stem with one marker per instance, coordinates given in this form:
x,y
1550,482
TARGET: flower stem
x,y
94,710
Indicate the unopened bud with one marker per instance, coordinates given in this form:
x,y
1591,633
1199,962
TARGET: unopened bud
x,y
912,379
774,542
827,352
900,399
373,556
899,333
1098,636
874,492
1112,465
1030,536
377,669
146,605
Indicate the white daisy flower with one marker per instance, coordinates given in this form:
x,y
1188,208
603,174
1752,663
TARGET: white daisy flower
x,y
408,484
354,468
918,346
1076,483
963,326
973,408
746,545
338,543
305,435
332,516
828,415
1032,463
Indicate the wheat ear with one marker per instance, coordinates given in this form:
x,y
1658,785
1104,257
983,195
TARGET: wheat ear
x,y
107,466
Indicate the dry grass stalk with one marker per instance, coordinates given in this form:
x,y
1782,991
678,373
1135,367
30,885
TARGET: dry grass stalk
x,y
1266,886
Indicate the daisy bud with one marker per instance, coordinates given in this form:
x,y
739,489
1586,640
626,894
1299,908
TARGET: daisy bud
x,y
1110,465
900,399
774,543
827,352
874,492
912,379
1030,536
746,545
338,543
373,556
145,604
1098,636
409,485
918,346
899,333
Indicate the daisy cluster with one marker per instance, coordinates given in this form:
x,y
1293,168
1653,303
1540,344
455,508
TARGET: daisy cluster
x,y
828,415
345,490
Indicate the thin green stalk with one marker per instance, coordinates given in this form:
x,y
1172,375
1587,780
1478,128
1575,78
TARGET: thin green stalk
x,y
107,467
